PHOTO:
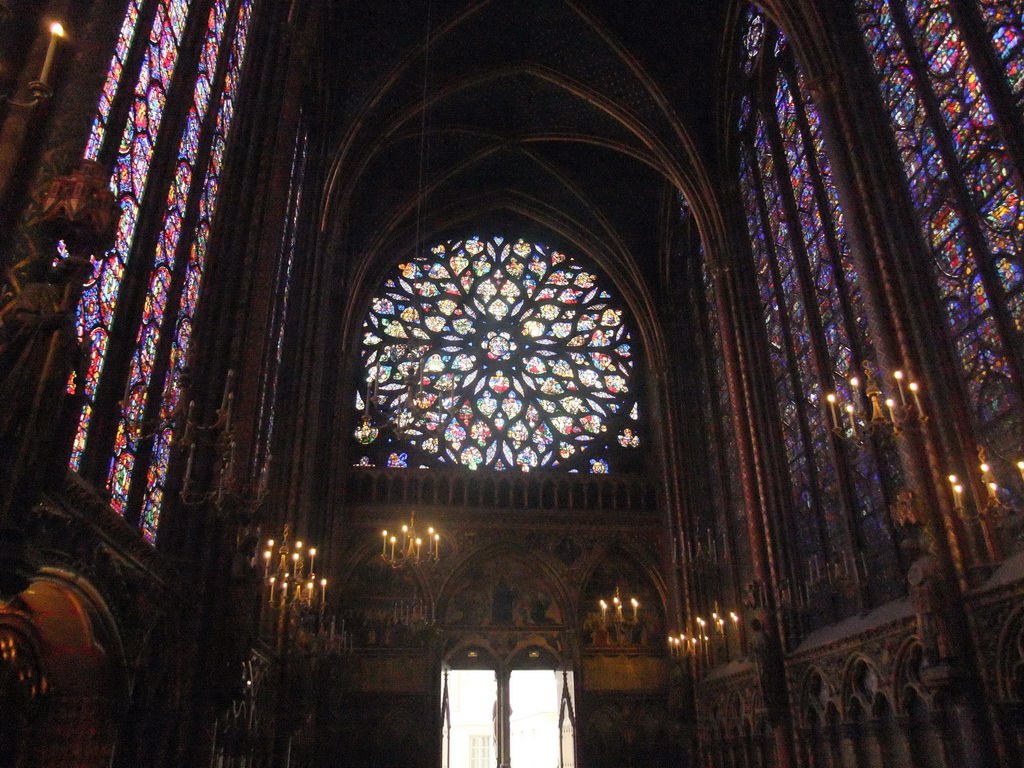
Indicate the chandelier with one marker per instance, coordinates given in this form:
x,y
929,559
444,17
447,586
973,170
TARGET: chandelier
x,y
293,590
618,618
422,405
407,547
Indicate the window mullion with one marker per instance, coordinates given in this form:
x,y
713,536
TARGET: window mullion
x,y
819,350
860,346
121,274
158,384
791,371
829,227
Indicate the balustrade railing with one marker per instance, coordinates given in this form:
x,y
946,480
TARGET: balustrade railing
x,y
536,491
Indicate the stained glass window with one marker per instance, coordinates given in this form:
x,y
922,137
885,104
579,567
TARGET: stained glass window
x,y
966,187
172,264
813,309
724,452
504,355
189,296
282,290
157,295
131,170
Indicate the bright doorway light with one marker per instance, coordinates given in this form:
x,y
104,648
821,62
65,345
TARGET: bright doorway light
x,y
534,699
469,742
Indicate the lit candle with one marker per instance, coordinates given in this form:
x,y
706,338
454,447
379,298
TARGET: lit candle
x,y
618,608
56,31
437,545
957,493
898,375
831,397
892,409
636,607
384,547
1020,468
853,420
992,489
917,400
295,565
430,542
309,592
419,547
604,613
393,540
272,580
323,596
266,562
312,559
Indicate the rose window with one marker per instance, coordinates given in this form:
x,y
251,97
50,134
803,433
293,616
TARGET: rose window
x,y
487,353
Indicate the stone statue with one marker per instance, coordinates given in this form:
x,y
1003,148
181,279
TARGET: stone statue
x,y
39,347
930,595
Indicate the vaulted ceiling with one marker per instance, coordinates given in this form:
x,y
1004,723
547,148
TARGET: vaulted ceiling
x,y
568,121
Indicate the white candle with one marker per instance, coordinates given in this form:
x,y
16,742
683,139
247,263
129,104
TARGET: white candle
x,y
56,31
384,547
917,400
892,409
853,421
898,375
832,407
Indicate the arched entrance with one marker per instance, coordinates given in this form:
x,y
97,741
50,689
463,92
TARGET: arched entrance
x,y
511,713
63,661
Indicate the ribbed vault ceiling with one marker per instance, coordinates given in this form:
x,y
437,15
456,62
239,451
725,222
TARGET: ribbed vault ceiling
x,y
567,121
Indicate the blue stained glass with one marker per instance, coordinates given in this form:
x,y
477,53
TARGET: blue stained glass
x,y
812,305
988,205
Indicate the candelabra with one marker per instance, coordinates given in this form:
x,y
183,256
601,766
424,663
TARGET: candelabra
x,y
227,489
298,597
39,89
701,639
618,619
406,547
419,402
885,413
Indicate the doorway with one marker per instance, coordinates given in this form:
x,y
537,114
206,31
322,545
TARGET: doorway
x,y
523,718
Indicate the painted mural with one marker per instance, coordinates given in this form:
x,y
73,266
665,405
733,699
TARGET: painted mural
x,y
501,593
